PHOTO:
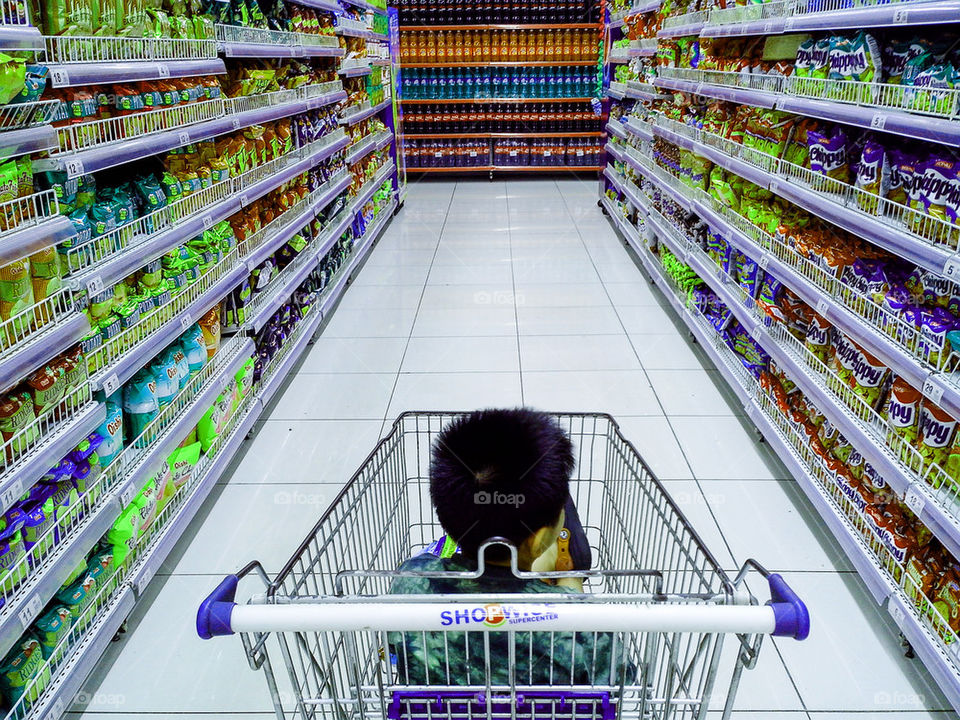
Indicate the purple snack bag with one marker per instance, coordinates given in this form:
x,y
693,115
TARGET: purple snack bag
x,y
828,153
873,175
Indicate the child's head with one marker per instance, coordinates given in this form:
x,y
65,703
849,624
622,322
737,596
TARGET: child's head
x,y
502,473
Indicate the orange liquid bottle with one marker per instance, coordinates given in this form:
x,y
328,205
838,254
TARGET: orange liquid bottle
x,y
477,54
486,46
441,48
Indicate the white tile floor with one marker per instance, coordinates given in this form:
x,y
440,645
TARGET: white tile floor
x,y
499,294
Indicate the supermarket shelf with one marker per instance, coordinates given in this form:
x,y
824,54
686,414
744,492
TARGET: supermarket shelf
x,y
380,62
488,136
492,100
147,565
26,357
639,128
324,5
355,69
894,14
260,50
122,152
60,694
348,31
263,308
616,129
752,27
370,187
323,51
636,9
364,148
356,117
139,254
26,240
292,227
693,28
634,90
289,361
156,454
627,188
741,96
565,63
100,73
130,362
941,522
26,470
15,143
17,616
22,37
879,584
556,26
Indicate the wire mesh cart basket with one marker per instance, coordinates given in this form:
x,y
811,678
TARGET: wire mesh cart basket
x,y
650,624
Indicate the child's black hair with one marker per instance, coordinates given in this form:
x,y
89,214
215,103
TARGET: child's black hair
x,y
500,473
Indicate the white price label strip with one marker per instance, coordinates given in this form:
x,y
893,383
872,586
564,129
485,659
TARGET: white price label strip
x,y
896,613
207,222
244,200
914,500
11,494
764,261
878,121
932,389
95,285
59,76
74,168
126,497
823,307
185,321
145,577
30,611
111,384
183,137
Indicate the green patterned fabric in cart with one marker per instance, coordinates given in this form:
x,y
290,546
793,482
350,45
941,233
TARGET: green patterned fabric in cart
x,y
457,658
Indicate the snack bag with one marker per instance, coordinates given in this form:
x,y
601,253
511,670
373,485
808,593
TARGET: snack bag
x,y
215,419
112,433
873,176
210,325
856,59
936,433
828,153
940,187
818,340
182,463
146,507
140,402
51,628
123,535
902,412
23,667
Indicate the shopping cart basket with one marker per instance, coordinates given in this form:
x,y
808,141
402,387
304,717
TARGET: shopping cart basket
x,y
655,589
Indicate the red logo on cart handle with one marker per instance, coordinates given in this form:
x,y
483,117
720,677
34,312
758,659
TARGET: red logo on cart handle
x,y
495,616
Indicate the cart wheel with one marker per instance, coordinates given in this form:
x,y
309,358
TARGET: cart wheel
x,y
691,337
603,208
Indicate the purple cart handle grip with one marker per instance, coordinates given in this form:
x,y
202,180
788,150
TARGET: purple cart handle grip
x,y
213,617
792,618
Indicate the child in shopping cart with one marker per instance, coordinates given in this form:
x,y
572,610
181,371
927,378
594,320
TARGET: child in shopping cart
x,y
503,473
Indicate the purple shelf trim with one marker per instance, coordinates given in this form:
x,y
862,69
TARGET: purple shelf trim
x,y
120,72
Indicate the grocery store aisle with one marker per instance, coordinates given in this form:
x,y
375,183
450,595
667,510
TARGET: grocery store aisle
x,y
500,294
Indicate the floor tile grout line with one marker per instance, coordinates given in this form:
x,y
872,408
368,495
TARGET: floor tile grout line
x,y
396,382
516,310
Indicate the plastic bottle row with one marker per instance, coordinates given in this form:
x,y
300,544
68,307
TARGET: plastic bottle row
x,y
575,152
456,12
456,46
468,83
494,117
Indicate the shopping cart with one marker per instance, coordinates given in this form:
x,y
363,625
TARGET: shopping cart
x,y
656,590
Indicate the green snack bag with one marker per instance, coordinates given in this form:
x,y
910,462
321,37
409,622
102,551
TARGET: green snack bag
x,y
13,76
23,674
181,464
24,176
146,505
123,535
215,419
244,378
51,628
77,598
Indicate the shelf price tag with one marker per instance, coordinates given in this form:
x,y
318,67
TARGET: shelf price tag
x,y
951,268
94,285
74,167
823,307
896,612
183,137
59,76
914,500
185,321
878,121
30,611
126,497
900,16
11,494
145,577
111,384
235,122
768,26
774,186
244,200
163,70
207,222
56,710
932,389
764,261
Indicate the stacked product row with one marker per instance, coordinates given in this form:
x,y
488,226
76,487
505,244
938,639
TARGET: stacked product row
x,y
805,187
570,153
548,72
173,228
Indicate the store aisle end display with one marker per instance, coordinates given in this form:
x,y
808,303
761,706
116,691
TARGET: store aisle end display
x,y
501,86
185,191
788,174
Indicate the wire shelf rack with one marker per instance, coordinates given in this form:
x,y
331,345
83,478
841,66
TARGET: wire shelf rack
x,y
18,116
26,325
27,211
17,448
76,49
97,133
751,13
693,18
256,36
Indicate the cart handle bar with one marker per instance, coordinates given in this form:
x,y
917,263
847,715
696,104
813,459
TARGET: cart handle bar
x,y
784,616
